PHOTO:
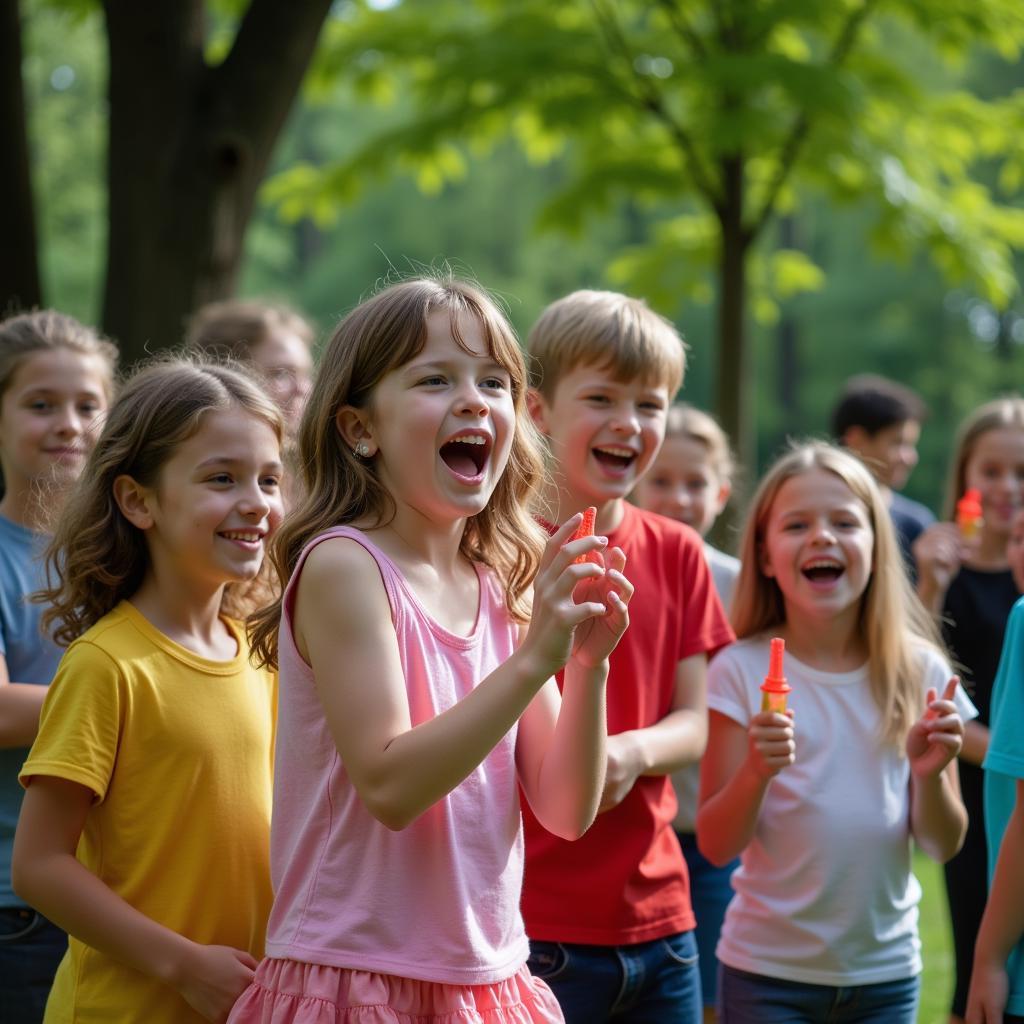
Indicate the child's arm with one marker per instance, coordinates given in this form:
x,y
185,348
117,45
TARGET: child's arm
x,y
399,770
677,739
938,551
20,704
938,820
47,876
1002,924
560,751
734,775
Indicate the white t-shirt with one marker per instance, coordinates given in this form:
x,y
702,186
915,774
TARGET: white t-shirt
x,y
825,894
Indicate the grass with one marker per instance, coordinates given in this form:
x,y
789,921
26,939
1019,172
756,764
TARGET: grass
x,y
936,942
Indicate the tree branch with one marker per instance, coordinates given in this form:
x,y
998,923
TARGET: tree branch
x,y
677,18
802,125
651,99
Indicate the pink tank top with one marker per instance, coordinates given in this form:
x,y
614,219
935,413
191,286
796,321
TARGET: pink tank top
x,y
438,901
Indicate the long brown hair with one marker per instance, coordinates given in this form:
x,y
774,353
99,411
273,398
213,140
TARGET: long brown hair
x,y
894,624
378,336
97,557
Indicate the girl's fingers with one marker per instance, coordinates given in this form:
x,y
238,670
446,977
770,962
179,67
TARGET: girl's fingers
x,y
950,690
558,539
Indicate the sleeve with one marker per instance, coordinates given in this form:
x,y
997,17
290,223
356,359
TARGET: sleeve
x,y
937,673
728,689
81,721
1006,742
706,628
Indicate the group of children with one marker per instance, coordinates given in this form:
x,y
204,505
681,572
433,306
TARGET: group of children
x,y
425,771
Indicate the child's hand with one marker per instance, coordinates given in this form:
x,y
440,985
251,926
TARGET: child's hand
x,y
990,990
771,745
937,736
213,978
551,637
939,552
597,636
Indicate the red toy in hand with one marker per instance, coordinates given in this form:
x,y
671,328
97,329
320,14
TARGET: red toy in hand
x,y
586,529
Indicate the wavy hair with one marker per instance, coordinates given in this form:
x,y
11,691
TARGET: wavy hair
x,y
97,558
894,624
380,335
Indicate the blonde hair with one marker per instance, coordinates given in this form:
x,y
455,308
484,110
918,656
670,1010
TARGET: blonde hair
x,y
231,329
46,330
97,557
995,415
894,625
693,424
609,330
378,336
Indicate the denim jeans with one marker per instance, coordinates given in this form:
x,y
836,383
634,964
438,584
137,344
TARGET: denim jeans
x,y
648,983
710,893
30,950
745,998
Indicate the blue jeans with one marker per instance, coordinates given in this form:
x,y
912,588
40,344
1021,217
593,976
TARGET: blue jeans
x,y
710,893
647,983
30,950
745,998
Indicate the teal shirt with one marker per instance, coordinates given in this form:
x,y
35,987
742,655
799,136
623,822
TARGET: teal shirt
x,y
30,657
1004,765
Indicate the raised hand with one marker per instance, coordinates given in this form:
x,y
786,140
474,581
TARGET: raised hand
x,y
212,979
937,736
771,744
595,638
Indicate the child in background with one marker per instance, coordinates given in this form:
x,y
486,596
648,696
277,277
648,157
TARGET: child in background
x,y
56,379
154,754
970,585
414,697
997,982
880,421
822,807
690,480
609,916
270,337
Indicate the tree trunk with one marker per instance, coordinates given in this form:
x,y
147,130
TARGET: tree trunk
x,y
19,255
787,368
189,145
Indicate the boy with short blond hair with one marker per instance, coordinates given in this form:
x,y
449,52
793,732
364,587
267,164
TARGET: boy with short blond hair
x,y
609,916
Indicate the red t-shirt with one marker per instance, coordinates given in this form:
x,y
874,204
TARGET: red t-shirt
x,y
625,880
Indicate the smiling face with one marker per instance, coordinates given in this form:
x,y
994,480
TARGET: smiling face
x,y
890,453
49,416
216,501
683,485
439,428
995,468
603,433
818,547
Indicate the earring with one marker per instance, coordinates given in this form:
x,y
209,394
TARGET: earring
x,y
361,450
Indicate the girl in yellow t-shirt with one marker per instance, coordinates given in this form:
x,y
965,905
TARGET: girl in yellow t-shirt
x,y
145,826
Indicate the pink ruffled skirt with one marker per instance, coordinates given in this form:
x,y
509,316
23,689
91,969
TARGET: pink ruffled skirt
x,y
290,992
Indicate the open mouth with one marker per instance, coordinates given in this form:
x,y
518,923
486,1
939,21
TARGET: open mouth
x,y
824,570
614,457
466,454
248,537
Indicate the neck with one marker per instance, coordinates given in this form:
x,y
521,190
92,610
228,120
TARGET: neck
x,y
186,612
834,644
414,538
560,503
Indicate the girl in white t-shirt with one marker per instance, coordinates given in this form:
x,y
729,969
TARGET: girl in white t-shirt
x,y
822,802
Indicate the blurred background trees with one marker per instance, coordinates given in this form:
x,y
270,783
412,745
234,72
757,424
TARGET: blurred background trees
x,y
857,164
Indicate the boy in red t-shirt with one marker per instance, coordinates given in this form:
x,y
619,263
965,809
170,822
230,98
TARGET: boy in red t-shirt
x,y
609,916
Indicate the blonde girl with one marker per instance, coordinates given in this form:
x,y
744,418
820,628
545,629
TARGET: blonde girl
x,y
56,380
690,481
821,804
145,826
969,584
417,691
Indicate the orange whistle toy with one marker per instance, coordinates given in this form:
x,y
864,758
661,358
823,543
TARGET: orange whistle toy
x,y
586,529
774,688
968,514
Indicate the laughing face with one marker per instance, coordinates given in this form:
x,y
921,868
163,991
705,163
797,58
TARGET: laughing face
x,y
995,468
604,433
440,427
818,546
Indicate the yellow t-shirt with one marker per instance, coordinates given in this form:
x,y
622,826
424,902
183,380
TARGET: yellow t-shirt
x,y
179,752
